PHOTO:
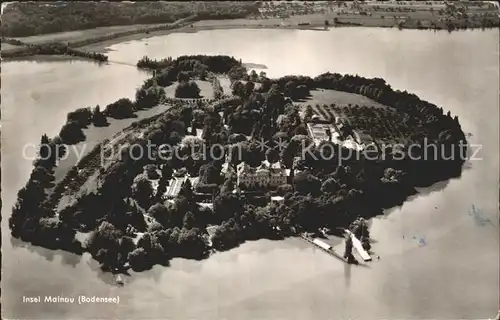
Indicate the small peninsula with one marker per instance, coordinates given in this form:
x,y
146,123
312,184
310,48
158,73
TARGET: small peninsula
x,y
233,156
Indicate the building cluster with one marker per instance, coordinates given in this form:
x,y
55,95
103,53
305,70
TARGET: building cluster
x,y
339,132
267,175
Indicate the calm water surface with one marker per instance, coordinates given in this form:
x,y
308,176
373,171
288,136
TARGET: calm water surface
x,y
454,274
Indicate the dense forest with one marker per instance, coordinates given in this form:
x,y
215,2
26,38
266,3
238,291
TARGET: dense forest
x,y
21,19
53,49
133,225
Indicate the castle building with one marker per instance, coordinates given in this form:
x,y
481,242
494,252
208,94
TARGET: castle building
x,y
267,175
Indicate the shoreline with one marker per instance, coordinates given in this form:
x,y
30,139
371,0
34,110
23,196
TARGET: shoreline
x,y
100,45
103,46
83,179
255,259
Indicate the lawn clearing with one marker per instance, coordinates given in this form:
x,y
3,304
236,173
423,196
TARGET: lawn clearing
x,y
339,98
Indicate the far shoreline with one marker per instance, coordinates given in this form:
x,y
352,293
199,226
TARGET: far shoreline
x,y
103,46
99,45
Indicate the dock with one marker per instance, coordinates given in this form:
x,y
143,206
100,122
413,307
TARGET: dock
x,y
323,246
359,247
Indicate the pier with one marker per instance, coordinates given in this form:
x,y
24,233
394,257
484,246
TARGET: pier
x,y
359,246
328,249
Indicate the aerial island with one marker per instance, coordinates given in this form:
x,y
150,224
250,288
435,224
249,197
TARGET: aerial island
x,y
233,156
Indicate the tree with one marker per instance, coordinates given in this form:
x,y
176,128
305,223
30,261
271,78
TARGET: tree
x,y
301,92
42,175
161,214
237,137
199,117
186,116
27,210
275,102
272,155
186,189
58,148
133,217
189,220
228,205
209,174
306,183
82,116
121,109
166,171
201,70
124,212
249,87
254,76
104,245
183,77
290,87
288,153
308,114
237,73
228,185
146,98
138,260
48,152
151,171
71,133
162,188
187,89
142,190
330,186
44,150
227,235
191,243
265,83
239,89
154,250
98,118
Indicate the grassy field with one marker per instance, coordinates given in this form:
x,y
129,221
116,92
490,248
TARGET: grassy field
x,y
6,47
321,103
320,100
225,84
206,90
380,14
81,35
95,136
312,20
340,98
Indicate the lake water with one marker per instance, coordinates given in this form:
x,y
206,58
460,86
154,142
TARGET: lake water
x,y
453,274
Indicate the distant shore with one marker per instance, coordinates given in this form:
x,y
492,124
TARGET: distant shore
x,y
99,39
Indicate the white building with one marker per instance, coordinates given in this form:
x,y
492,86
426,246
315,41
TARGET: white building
x,y
322,244
264,176
320,132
